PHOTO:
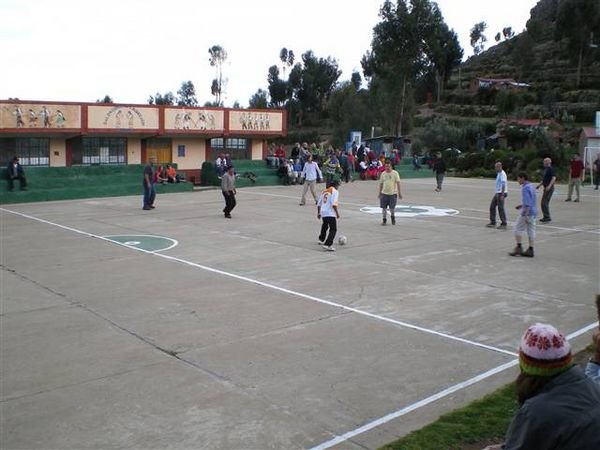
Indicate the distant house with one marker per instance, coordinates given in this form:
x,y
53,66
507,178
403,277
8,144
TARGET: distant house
x,y
589,137
496,83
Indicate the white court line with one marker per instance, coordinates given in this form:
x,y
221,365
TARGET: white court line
x,y
373,424
274,287
432,398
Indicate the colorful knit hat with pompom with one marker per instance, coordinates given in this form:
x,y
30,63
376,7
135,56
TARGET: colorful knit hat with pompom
x,y
544,351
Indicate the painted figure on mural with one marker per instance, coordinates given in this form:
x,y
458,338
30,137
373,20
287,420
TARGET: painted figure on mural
x,y
129,119
119,119
60,119
177,122
45,114
19,116
32,118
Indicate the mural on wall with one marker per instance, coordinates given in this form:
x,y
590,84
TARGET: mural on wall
x,y
255,121
193,119
23,115
122,117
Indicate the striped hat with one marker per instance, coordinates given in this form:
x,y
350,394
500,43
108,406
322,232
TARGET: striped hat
x,y
544,351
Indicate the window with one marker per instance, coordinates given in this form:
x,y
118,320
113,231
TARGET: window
x,y
217,143
237,147
31,151
181,151
99,150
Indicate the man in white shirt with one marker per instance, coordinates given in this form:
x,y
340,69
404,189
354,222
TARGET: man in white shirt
x,y
498,199
310,173
327,210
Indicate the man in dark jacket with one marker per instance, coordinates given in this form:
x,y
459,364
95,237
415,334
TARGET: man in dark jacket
x,y
559,407
16,172
439,169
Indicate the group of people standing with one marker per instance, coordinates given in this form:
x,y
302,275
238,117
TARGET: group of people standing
x,y
526,221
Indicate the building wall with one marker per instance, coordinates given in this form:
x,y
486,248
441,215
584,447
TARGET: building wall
x,y
195,153
58,152
134,151
257,149
193,127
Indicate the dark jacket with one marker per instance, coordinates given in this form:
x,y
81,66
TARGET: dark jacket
x,y
564,415
439,166
15,172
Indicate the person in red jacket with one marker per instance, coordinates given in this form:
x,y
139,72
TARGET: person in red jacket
x,y
576,174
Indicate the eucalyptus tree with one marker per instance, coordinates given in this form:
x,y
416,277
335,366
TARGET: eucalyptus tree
x,y
187,94
287,58
217,58
259,100
312,82
410,40
162,99
278,88
478,39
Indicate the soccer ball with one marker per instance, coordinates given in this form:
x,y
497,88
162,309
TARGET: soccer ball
x,y
342,240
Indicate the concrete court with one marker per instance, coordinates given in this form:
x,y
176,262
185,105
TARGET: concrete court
x,y
247,335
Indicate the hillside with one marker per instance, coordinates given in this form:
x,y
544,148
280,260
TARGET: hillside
x,y
535,58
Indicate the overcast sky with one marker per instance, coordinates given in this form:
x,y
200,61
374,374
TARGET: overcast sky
x,y
82,50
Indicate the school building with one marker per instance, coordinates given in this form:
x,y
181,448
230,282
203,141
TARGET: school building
x,y
59,134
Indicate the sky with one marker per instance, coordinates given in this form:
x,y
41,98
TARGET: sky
x,y
82,50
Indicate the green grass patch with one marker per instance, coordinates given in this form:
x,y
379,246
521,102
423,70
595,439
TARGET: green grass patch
x,y
486,419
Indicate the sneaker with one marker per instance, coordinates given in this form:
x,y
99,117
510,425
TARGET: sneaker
x,y
576,201
437,189
518,251
146,208
329,248
546,219
567,200
528,253
502,226
320,242
384,221
228,216
393,220
491,225
301,204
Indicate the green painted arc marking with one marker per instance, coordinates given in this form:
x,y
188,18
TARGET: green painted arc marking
x,y
145,242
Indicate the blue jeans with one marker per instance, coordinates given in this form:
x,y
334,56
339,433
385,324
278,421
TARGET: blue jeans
x,y
149,195
546,196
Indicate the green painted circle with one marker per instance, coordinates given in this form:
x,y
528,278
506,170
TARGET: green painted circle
x,y
144,242
410,209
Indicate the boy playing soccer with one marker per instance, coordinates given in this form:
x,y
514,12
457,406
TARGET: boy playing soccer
x,y
327,209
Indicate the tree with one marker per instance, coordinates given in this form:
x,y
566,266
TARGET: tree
x,y
348,109
187,94
106,99
356,80
312,82
217,58
478,39
259,100
278,89
411,40
162,99
443,51
578,21
287,57
508,32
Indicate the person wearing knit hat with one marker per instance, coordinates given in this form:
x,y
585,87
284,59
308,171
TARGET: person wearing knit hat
x,y
544,351
559,407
